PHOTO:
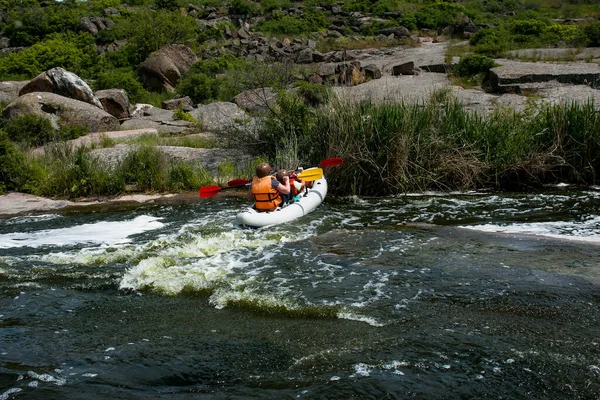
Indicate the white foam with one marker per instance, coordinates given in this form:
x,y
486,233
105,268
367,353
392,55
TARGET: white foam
x,y
104,232
588,230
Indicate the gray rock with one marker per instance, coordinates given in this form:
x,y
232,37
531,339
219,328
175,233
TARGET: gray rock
x,y
88,26
210,159
61,82
185,103
305,56
512,75
61,110
256,101
115,102
9,90
221,116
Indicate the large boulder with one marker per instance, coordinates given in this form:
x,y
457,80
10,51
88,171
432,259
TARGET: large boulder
x,y
256,101
162,70
221,116
9,90
115,102
61,110
61,82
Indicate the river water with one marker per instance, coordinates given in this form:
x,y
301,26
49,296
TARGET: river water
x,y
459,296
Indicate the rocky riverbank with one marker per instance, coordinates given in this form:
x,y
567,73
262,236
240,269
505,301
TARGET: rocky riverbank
x,y
517,84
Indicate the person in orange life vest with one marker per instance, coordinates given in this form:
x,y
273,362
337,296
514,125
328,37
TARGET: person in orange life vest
x,y
266,190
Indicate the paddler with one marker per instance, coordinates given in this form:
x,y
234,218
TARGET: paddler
x,y
266,190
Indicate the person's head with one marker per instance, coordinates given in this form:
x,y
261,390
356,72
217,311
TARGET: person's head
x,y
280,174
263,169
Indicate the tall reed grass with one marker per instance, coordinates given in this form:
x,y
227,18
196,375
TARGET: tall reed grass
x,y
394,148
67,171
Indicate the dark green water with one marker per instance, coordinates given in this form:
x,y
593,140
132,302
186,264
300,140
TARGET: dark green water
x,y
427,297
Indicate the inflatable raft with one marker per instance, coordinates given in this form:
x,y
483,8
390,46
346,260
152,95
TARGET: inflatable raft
x,y
250,218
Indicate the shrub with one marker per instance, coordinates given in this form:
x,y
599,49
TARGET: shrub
x,y
314,94
122,78
490,42
280,24
32,130
439,15
592,32
169,5
75,53
473,64
11,164
242,7
145,167
528,27
272,5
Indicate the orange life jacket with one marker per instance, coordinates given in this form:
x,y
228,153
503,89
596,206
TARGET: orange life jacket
x,y
294,190
265,197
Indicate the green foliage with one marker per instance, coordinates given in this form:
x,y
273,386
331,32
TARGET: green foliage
x,y
169,5
150,30
287,130
268,6
184,116
439,15
31,130
242,7
490,42
122,78
11,164
314,94
528,27
213,79
592,32
27,25
74,52
473,64
281,24
144,167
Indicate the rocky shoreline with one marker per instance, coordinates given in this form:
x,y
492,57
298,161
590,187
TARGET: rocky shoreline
x,y
517,85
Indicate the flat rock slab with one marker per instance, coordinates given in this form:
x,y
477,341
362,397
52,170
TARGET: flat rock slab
x,y
210,159
516,72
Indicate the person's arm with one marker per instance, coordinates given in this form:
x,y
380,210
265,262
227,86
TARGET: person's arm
x,y
284,188
249,194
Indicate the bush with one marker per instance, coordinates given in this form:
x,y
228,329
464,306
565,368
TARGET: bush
x,y
592,32
490,42
281,24
32,130
314,94
439,15
528,27
122,78
11,164
242,7
73,52
473,64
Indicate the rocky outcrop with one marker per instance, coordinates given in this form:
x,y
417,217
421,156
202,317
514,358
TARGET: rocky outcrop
x,y
519,77
256,101
9,90
61,110
115,102
63,83
145,116
163,69
183,103
222,116
209,159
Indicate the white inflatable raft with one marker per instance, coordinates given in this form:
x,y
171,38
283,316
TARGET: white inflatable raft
x,y
250,218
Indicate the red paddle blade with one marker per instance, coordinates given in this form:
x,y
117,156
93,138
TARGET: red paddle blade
x,y
238,182
331,162
209,191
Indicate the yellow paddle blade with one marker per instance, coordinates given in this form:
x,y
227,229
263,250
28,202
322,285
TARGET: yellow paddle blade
x,y
311,174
